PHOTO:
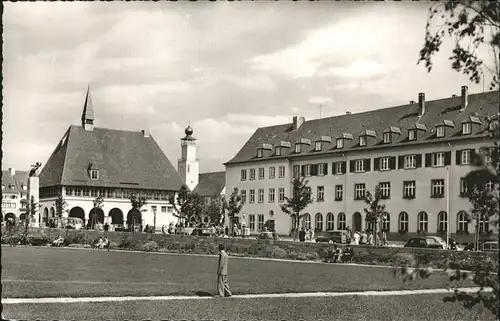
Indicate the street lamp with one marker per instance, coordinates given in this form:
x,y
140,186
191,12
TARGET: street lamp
x,y
154,219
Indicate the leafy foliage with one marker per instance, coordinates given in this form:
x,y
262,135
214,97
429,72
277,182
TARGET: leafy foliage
x,y
215,212
376,211
234,206
474,26
98,202
60,205
188,204
301,198
137,202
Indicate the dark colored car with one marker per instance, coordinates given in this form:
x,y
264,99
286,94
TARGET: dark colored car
x,y
424,242
332,237
202,232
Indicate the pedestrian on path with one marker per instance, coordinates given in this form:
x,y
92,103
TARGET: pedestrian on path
x,y
222,284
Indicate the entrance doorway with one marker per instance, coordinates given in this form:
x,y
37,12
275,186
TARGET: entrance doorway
x,y
356,222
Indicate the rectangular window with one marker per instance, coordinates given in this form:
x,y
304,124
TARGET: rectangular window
x,y
321,194
252,196
321,169
78,192
164,209
465,157
282,171
362,140
297,148
69,191
261,195
359,191
271,195
359,166
277,151
261,173
410,161
272,172
339,191
251,219
307,170
409,189
317,146
94,174
252,174
384,164
260,153
281,194
437,159
466,128
387,138
340,143
243,174
260,222
463,187
437,188
412,134
154,208
243,196
93,192
440,131
385,190
86,192
339,168
296,171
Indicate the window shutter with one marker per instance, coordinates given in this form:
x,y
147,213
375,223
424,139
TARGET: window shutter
x,y
302,170
419,160
344,167
447,158
325,168
314,169
401,162
351,166
392,162
376,164
474,157
334,168
458,159
428,159
368,163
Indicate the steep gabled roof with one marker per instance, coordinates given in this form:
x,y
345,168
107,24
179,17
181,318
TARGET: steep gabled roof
x,y
211,184
404,117
14,183
125,159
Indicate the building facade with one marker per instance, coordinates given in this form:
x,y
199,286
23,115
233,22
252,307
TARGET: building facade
x,y
90,162
14,194
417,153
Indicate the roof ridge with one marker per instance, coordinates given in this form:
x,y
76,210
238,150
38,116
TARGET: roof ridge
x,y
66,142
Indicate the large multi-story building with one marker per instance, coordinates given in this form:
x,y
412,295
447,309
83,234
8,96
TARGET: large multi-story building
x,y
14,194
417,153
89,162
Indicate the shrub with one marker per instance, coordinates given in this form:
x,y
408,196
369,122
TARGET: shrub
x,y
322,253
404,259
274,251
293,255
313,256
150,246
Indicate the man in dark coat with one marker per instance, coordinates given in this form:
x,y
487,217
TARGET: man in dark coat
x,y
222,285
302,235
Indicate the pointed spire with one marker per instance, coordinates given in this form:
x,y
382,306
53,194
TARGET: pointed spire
x,y
88,112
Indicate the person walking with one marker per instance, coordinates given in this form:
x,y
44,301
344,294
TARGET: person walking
x,y
222,284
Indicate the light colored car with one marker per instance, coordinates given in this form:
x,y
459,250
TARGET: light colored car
x,y
439,240
490,246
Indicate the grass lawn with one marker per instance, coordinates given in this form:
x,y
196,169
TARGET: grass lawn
x,y
412,307
58,272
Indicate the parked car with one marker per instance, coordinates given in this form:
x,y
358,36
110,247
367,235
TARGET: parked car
x,y
332,237
70,223
490,246
439,240
424,242
202,231
267,236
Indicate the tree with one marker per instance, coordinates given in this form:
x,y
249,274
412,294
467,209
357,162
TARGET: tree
x,y
98,204
60,205
474,26
301,198
188,204
137,202
232,207
215,212
376,211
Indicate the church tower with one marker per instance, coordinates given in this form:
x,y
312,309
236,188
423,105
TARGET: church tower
x,y
188,165
88,113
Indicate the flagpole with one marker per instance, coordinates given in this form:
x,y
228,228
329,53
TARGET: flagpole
x,y
448,206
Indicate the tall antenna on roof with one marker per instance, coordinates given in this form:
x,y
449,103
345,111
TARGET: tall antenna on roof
x,y
320,111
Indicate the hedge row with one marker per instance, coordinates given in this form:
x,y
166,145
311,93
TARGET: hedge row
x,y
263,248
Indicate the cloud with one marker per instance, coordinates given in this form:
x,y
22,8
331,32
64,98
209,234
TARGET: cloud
x,y
358,70
320,100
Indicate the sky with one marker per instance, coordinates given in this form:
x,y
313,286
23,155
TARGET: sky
x,y
225,68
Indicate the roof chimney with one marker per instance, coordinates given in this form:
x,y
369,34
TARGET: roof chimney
x,y
465,97
12,171
421,103
412,102
347,112
145,132
297,122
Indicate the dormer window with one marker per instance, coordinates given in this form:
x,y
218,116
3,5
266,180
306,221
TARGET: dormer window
x,y
298,148
340,143
317,146
24,187
362,140
94,174
440,131
277,150
260,153
387,138
302,141
466,128
412,134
